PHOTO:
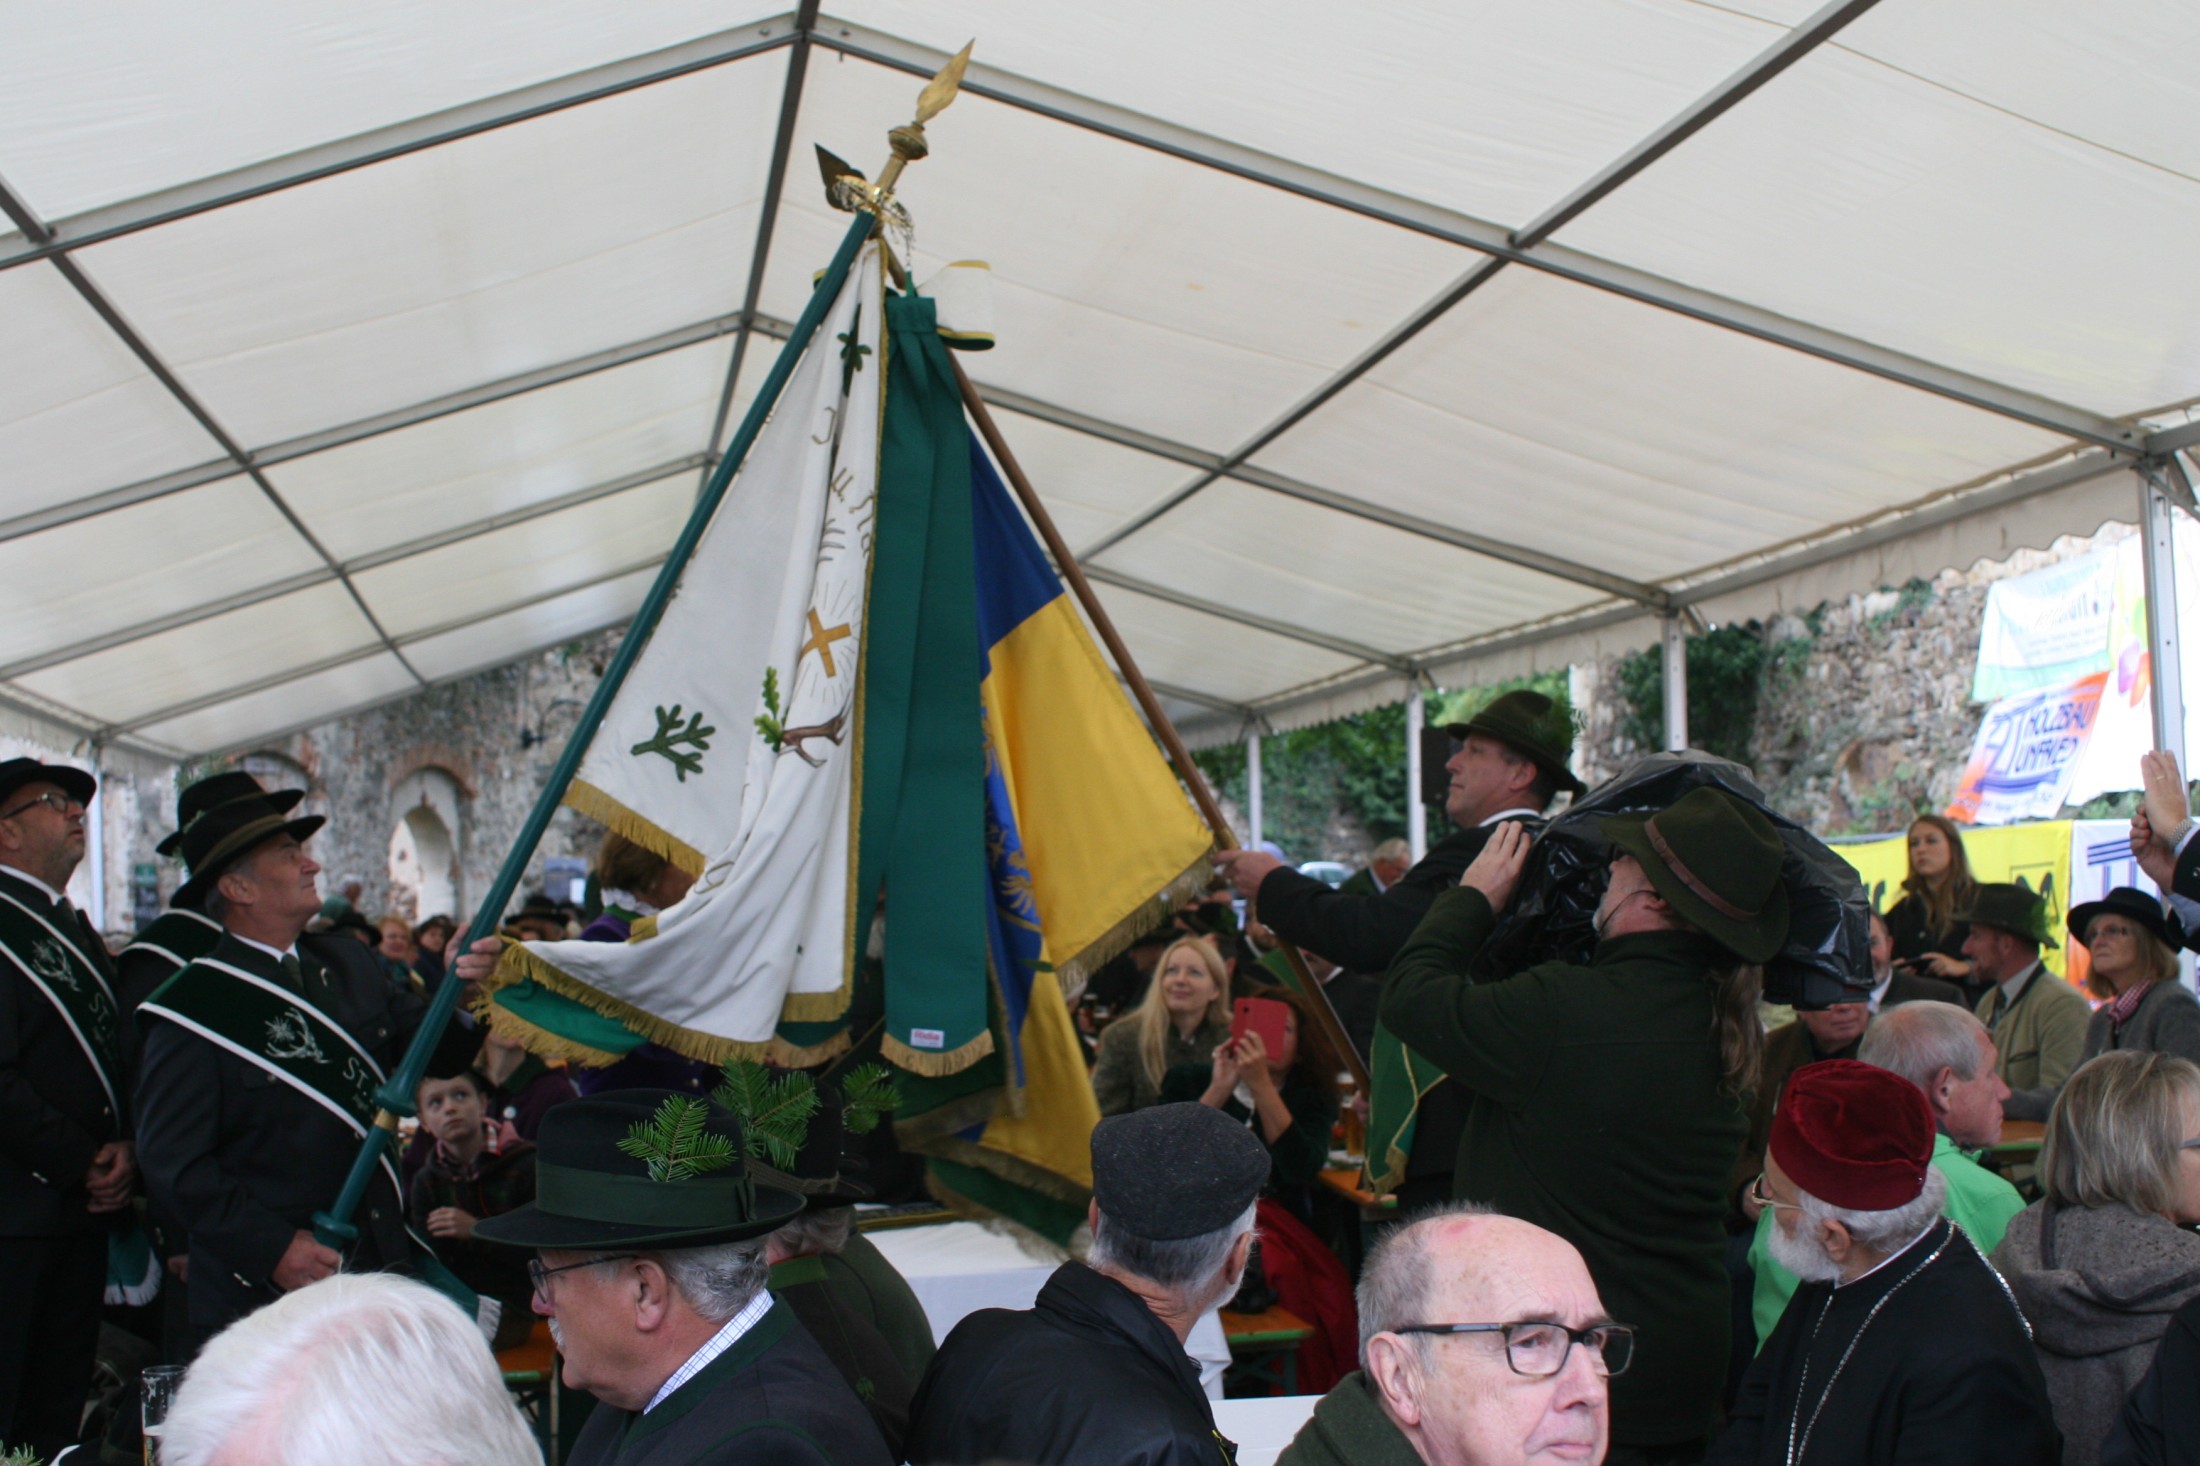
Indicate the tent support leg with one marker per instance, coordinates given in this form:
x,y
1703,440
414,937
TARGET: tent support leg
x,y
1676,683
1416,811
2166,669
1253,812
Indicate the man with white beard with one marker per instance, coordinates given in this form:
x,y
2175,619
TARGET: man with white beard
x,y
1902,1344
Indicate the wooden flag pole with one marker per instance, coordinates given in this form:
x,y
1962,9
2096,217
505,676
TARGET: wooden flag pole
x,y
1324,1014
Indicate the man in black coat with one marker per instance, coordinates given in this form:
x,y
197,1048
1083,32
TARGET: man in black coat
x,y
258,1074
647,1227
66,1164
1510,764
1095,1372
1893,986
1902,1344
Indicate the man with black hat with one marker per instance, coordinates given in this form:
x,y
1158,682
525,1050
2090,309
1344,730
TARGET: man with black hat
x,y
259,1072
1095,1372
183,934
1510,763
2037,1020
647,1225
66,1164
1902,1344
1607,1098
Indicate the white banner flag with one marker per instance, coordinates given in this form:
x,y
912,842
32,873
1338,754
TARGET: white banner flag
x,y
732,746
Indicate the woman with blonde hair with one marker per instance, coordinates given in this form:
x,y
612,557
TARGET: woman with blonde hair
x,y
2102,1261
2132,947
1928,939
1183,1018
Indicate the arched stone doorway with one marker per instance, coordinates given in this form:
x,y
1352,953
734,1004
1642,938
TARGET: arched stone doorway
x,y
424,845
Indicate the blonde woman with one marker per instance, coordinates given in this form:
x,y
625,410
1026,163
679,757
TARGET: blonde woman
x,y
2103,1260
2133,971
1183,1019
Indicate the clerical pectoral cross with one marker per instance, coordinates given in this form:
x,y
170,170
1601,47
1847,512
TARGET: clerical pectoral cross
x,y
821,641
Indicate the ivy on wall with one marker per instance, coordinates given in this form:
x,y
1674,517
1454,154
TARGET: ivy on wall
x,y
1726,671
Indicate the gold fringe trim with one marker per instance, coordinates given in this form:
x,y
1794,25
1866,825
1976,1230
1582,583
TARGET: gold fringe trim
x,y
1078,969
541,1042
1013,1169
586,798
931,1063
818,1007
518,964
919,1131
1036,1244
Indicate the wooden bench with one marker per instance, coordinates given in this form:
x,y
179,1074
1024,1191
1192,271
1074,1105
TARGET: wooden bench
x,y
531,1375
1264,1348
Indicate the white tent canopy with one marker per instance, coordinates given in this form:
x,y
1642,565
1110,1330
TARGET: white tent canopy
x,y
343,352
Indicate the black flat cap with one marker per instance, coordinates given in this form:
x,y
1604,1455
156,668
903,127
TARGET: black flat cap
x,y
74,782
1173,1171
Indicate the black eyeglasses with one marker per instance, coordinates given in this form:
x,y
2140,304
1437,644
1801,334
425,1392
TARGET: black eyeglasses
x,y
60,804
1539,1349
540,1276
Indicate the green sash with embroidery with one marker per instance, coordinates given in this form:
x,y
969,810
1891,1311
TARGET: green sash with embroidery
x,y
274,1029
45,948
177,937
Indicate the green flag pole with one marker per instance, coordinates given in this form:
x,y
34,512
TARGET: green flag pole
x,y
333,1228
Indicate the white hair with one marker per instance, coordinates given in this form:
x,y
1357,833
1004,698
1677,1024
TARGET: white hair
x,y
819,1232
1918,1040
1881,1231
719,1281
1391,849
1395,1284
368,1369
1195,1269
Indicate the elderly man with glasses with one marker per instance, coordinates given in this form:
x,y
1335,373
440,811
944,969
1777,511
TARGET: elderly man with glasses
x,y
1902,1344
1482,1343
66,1165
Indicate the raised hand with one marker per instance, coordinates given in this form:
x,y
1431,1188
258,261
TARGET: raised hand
x,y
1496,871
2167,806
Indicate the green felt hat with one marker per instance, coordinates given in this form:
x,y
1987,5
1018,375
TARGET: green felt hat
x,y
219,789
2009,907
1716,861
1534,725
220,836
641,1168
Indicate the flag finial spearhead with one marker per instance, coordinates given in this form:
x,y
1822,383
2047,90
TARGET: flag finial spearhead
x,y
908,142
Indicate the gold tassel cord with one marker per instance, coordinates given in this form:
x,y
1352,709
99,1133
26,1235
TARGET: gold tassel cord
x,y
1075,972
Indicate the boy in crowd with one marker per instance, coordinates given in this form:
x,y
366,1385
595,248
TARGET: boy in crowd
x,y
473,1172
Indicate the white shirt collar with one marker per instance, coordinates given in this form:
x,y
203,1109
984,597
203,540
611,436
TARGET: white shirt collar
x,y
1879,992
2012,988
1517,812
751,1314
24,875
278,953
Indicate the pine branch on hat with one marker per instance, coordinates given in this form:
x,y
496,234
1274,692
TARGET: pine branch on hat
x,y
674,1143
775,1109
871,1095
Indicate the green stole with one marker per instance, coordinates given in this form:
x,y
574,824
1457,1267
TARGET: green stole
x,y
178,937
49,955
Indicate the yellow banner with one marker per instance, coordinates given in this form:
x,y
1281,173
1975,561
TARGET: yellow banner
x,y
2034,856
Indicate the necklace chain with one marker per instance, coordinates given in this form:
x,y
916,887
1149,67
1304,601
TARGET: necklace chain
x,y
1796,1448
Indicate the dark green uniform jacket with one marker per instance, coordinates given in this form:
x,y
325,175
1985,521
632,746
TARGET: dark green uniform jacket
x,y
861,1277
1349,1428
773,1399
1599,1111
857,1350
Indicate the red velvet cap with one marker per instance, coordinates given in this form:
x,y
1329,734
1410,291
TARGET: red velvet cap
x,y
1853,1136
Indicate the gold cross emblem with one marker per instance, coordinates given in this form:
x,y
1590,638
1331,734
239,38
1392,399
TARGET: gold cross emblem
x,y
821,641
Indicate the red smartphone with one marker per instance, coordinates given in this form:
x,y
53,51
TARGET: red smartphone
x,y
1264,1016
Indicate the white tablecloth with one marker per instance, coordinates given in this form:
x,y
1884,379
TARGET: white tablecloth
x,y
1263,1427
957,1268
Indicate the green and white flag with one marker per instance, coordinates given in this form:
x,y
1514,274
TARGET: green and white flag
x,y
733,747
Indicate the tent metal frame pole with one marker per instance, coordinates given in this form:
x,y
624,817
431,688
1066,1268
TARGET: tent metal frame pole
x,y
2158,559
1783,53
790,107
290,585
1255,813
395,141
1416,809
1674,647
1206,700
1483,237
1288,632
11,203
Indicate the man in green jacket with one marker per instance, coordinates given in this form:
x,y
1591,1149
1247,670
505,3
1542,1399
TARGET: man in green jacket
x,y
2037,1020
1945,1051
1482,1343
1607,1099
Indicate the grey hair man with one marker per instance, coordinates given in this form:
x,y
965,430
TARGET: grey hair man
x,y
1900,1326
1095,1372
368,1369
1482,1343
